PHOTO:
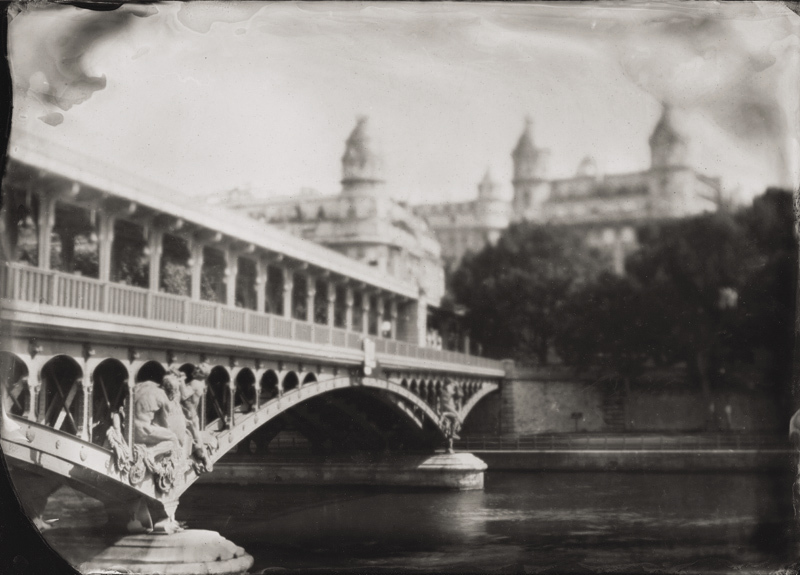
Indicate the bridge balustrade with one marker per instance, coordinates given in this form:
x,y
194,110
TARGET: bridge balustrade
x,y
33,285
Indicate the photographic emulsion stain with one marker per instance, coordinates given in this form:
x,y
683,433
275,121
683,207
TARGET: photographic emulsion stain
x,y
400,287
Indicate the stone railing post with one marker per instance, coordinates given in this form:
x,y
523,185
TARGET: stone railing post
x,y
155,246
393,318
261,286
231,271
105,239
232,404
288,286
196,265
331,317
365,307
379,309
311,294
348,314
47,219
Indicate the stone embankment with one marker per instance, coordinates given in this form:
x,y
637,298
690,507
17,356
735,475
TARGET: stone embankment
x,y
627,452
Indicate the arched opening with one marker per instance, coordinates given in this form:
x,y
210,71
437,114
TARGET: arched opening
x,y
423,391
437,396
245,395
414,387
404,383
61,399
269,386
309,377
16,396
218,396
290,381
109,390
151,371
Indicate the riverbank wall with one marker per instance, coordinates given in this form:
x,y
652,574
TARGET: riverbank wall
x,y
639,460
455,471
558,399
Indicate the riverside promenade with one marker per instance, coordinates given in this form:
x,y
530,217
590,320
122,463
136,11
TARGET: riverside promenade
x,y
632,452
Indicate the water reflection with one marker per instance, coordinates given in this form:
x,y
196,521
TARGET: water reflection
x,y
522,522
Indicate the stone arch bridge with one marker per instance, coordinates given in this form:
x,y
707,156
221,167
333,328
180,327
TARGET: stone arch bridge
x,y
93,309
56,420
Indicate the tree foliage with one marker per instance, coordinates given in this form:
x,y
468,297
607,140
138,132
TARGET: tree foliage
x,y
715,292
513,289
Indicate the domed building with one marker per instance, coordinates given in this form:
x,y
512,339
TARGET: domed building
x,y
468,226
606,207
363,221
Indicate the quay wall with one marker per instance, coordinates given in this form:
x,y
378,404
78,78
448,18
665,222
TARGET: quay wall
x,y
455,471
641,461
554,399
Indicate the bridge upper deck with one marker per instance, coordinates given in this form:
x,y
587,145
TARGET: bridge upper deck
x,y
343,301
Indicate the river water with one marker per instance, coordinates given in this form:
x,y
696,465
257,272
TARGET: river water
x,y
521,523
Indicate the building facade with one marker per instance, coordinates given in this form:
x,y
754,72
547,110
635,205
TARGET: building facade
x,y
468,226
607,207
363,221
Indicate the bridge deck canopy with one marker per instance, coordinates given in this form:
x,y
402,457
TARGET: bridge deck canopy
x,y
109,181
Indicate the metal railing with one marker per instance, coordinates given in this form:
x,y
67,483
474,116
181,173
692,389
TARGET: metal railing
x,y
625,442
30,284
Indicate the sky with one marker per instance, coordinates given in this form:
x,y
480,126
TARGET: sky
x,y
204,97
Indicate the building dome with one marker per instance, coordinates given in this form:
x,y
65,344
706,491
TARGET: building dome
x,y
362,165
488,188
529,161
668,145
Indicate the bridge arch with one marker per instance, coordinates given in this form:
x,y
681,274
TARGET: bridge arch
x,y
14,378
61,400
217,396
289,380
98,461
246,390
269,386
307,377
109,391
151,371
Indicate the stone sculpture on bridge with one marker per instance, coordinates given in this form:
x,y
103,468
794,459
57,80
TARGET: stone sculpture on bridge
x,y
166,431
448,407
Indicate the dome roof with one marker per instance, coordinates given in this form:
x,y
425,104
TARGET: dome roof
x,y
525,147
665,131
488,189
361,160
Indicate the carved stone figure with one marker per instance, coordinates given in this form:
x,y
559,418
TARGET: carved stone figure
x,y
451,420
166,432
191,394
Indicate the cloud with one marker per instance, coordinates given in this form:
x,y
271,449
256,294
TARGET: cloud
x,y
729,69
48,53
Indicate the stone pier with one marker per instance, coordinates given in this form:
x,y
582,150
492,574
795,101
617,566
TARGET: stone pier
x,y
461,471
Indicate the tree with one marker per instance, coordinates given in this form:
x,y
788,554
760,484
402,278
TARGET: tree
x,y
602,324
692,271
767,299
512,290
714,291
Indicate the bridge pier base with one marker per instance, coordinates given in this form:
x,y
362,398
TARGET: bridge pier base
x,y
183,553
462,471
